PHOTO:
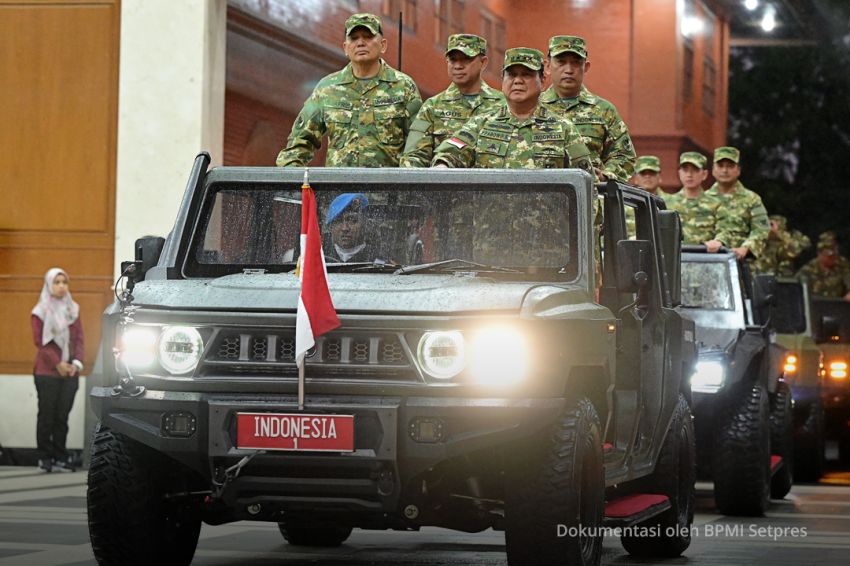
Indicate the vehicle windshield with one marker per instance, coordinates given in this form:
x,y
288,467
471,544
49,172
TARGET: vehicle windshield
x,y
705,285
516,231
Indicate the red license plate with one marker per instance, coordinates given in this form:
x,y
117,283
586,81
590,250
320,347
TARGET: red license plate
x,y
314,433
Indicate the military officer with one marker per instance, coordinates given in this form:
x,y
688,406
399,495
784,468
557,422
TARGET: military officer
x,y
365,109
522,134
741,218
826,276
782,248
697,209
444,114
596,118
648,175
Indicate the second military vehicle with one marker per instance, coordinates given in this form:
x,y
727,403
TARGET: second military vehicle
x,y
742,405
475,381
832,331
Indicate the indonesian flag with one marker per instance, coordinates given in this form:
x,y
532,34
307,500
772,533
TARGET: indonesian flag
x,y
316,313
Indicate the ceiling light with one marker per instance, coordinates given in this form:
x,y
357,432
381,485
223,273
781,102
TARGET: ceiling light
x,y
768,21
751,4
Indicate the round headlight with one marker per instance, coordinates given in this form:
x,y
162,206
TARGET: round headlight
x,y
138,346
441,353
180,349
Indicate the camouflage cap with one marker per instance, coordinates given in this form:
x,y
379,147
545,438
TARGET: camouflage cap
x,y
363,20
468,44
525,56
826,245
567,43
828,235
694,158
647,162
727,152
780,220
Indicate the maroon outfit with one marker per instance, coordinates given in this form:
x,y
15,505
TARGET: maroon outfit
x,y
49,355
55,393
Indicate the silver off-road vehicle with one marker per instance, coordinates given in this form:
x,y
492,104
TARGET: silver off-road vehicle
x,y
475,382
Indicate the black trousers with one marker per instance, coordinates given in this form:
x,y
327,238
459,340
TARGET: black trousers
x,y
55,399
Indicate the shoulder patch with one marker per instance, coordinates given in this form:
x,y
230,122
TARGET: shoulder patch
x,y
456,142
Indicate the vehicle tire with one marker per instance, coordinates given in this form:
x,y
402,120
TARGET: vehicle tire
x,y
130,521
675,477
809,449
315,535
559,490
742,455
782,440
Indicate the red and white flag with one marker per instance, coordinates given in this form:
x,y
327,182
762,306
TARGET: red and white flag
x,y
316,313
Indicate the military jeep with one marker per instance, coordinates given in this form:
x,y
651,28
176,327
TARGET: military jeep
x,y
479,385
742,404
802,370
831,318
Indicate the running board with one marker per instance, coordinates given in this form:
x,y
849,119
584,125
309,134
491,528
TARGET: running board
x,y
632,509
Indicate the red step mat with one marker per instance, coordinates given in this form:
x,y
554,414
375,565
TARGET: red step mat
x,y
632,504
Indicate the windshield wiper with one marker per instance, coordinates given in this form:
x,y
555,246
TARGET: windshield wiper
x,y
363,267
451,265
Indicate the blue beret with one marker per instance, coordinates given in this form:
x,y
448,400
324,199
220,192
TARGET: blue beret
x,y
357,201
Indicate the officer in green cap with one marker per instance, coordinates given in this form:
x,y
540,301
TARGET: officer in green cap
x,y
648,175
782,248
596,118
697,209
825,274
365,109
444,114
522,134
742,218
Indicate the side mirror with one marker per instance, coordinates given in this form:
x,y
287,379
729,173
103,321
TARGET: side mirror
x,y
830,328
633,261
148,250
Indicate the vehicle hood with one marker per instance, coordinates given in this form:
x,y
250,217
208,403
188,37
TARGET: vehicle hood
x,y
374,293
715,330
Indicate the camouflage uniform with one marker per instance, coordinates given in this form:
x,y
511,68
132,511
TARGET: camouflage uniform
x,y
831,283
366,121
606,134
444,114
741,219
501,140
698,216
782,248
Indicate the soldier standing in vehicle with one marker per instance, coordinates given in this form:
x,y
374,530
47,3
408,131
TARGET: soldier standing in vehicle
x,y
697,209
597,119
782,248
444,114
365,109
825,274
648,175
741,218
523,134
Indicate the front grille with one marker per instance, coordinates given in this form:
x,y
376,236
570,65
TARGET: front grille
x,y
360,355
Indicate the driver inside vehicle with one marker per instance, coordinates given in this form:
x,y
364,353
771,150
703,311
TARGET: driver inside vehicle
x,y
351,239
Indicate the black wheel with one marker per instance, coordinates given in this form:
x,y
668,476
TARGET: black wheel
x,y
130,521
675,477
742,455
555,498
782,440
314,534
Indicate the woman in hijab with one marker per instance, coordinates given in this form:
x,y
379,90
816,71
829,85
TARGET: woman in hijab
x,y
58,334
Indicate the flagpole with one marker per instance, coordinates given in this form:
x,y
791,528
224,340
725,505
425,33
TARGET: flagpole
x,y
301,379
301,385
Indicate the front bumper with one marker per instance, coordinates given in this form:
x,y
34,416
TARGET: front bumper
x,y
386,471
